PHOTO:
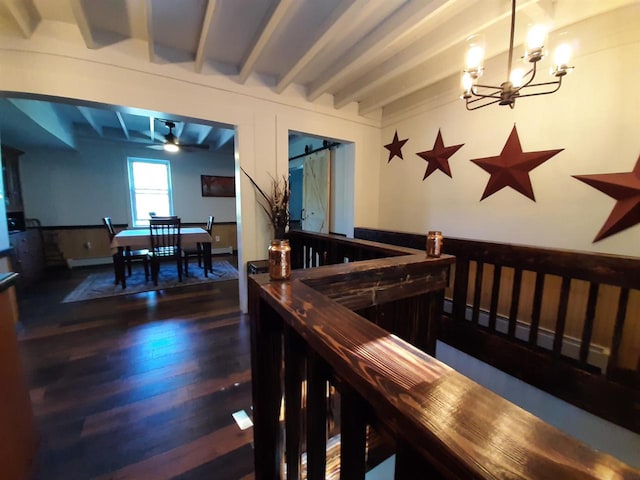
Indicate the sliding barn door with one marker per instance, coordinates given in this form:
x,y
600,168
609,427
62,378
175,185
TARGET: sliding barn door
x,y
315,192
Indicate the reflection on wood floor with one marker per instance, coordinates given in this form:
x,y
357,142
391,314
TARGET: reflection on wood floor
x,y
139,386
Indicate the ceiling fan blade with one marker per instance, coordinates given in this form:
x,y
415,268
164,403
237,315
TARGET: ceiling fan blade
x,y
201,146
157,146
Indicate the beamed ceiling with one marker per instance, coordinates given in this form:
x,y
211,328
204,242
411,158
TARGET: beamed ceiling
x,y
376,53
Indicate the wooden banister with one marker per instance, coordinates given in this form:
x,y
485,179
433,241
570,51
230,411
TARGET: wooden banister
x,y
519,308
441,422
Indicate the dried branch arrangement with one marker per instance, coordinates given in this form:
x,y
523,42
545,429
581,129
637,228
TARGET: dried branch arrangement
x,y
275,204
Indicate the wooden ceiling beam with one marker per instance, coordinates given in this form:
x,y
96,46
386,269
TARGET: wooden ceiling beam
x,y
450,26
24,14
369,49
278,14
224,135
148,13
123,125
46,117
83,24
204,35
88,116
344,16
203,133
444,59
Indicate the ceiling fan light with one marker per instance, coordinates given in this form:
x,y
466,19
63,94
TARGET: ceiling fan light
x,y
171,147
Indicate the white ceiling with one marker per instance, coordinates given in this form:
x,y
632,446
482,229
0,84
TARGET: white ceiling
x,y
372,52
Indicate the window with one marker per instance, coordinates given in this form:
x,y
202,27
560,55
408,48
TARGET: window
x,y
150,189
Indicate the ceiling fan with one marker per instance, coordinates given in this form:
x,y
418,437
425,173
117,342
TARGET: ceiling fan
x,y
171,143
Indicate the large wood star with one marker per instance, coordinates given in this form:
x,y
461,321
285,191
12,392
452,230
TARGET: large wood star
x,y
623,187
511,168
395,147
438,157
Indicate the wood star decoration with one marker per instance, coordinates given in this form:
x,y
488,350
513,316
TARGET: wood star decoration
x,y
511,168
395,147
438,157
623,187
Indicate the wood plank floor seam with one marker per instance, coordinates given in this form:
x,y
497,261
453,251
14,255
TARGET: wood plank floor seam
x,y
138,386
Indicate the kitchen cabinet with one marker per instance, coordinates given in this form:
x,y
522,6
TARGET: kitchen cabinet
x,y
19,439
11,179
28,255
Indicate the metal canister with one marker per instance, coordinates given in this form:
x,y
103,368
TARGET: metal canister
x,y
279,260
434,243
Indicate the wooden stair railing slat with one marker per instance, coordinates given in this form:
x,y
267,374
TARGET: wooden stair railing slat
x,y
462,429
353,435
536,308
589,318
495,295
266,386
515,300
617,330
460,287
575,376
316,410
410,465
294,362
477,293
558,338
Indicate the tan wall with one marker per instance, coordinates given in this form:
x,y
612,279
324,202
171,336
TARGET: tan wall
x,y
5,265
605,315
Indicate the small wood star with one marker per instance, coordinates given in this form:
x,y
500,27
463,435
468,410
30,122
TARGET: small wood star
x,y
395,147
438,157
623,187
511,168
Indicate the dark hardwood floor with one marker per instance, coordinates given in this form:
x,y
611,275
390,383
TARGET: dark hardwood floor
x,y
139,386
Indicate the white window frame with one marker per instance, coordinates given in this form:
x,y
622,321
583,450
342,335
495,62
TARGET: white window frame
x,y
141,222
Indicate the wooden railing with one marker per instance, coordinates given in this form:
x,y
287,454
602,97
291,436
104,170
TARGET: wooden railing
x,y
305,331
566,322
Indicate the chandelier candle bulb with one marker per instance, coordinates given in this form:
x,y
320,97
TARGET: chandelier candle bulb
x,y
434,243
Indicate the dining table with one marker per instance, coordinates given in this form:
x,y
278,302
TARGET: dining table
x,y
140,238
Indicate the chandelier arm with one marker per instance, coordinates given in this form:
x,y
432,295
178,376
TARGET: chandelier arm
x,y
468,102
481,95
496,91
558,85
531,72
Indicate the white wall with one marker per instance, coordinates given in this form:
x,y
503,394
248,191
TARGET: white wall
x,y
594,431
66,187
594,118
51,63
341,207
4,231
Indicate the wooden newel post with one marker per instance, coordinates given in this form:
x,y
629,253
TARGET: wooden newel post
x,y
266,383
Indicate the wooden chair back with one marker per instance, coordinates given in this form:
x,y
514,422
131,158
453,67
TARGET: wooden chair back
x,y
109,226
209,227
165,236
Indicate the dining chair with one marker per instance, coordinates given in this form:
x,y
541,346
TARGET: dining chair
x,y
128,255
198,250
165,244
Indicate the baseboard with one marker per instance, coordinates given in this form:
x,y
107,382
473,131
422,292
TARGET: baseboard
x,y
598,355
90,262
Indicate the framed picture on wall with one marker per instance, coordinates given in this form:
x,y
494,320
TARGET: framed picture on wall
x,y
214,186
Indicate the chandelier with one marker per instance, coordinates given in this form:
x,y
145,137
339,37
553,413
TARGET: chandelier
x,y
477,95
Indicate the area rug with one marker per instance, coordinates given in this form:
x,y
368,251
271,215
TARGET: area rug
x,y
100,285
